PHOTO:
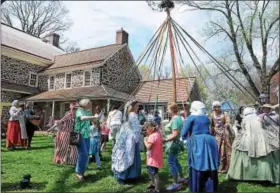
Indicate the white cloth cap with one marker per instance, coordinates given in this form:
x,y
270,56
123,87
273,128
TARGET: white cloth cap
x,y
14,102
198,108
216,103
248,111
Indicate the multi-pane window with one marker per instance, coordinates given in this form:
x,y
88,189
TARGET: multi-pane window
x,y
68,80
51,82
87,78
33,79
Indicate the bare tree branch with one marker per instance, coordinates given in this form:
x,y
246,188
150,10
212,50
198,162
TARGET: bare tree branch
x,y
36,17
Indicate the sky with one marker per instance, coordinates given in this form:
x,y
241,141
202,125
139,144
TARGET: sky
x,y
95,24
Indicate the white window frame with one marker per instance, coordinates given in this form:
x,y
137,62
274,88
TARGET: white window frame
x,y
50,82
65,82
36,83
90,80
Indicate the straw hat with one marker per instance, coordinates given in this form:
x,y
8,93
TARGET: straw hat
x,y
266,106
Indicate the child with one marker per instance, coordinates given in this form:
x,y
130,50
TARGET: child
x,y
104,136
94,142
153,143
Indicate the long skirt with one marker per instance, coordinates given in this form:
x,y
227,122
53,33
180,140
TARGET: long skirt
x,y
224,147
266,168
203,181
64,153
13,138
134,171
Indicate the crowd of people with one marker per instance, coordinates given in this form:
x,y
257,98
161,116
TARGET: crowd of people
x,y
247,149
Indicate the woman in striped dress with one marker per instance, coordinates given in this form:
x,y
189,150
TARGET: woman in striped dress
x,y
65,153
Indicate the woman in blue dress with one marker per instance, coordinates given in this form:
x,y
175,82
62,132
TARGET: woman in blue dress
x,y
126,159
203,159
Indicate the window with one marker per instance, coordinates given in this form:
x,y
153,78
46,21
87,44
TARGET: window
x,y
33,79
68,80
87,78
51,82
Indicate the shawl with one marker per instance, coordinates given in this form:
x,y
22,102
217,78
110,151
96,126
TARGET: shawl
x,y
124,149
253,139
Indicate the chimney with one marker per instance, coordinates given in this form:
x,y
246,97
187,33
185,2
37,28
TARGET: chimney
x,y
53,39
121,37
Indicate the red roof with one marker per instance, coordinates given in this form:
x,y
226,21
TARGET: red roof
x,y
162,89
93,56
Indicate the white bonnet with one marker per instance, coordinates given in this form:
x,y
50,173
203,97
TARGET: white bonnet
x,y
216,103
198,108
14,102
248,111
197,105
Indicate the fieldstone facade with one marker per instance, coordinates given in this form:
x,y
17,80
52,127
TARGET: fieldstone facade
x,y
95,76
43,82
77,78
59,81
17,72
118,72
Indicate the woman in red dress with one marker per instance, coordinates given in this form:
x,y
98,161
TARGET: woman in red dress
x,y
65,153
14,138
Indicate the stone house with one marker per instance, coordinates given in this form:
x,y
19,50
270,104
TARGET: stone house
x,y
106,75
38,71
22,57
154,94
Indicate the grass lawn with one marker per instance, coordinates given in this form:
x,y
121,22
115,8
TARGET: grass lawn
x,y
48,177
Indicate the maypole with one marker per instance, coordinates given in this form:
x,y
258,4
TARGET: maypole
x,y
167,5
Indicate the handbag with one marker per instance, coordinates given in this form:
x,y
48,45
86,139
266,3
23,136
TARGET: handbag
x,y
75,137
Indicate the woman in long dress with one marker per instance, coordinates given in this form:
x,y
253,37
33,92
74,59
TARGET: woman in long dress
x,y
14,137
220,128
65,153
126,159
203,157
255,152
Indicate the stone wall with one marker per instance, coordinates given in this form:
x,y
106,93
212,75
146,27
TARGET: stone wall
x,y
77,78
95,76
59,81
43,82
17,72
117,72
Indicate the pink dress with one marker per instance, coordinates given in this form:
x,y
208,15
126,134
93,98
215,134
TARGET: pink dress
x,y
155,155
